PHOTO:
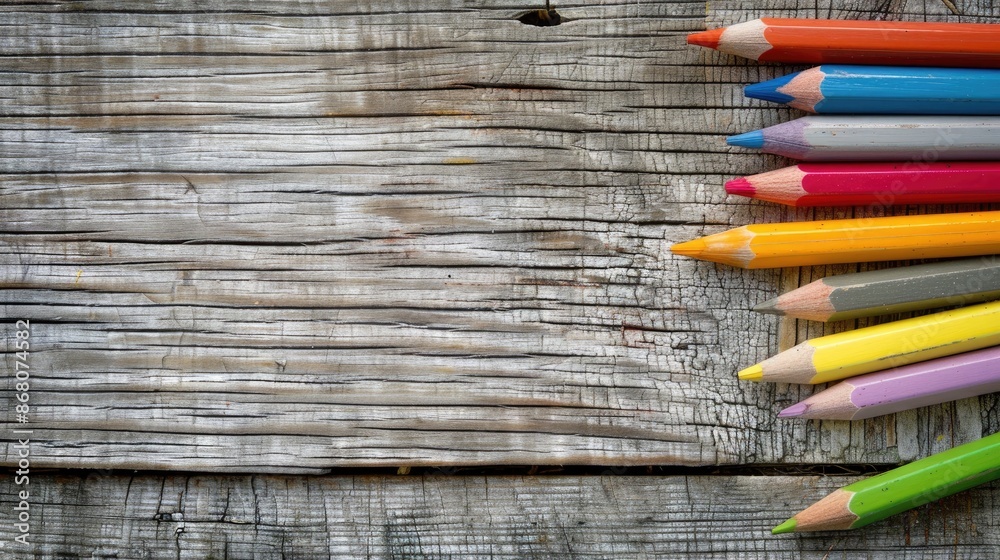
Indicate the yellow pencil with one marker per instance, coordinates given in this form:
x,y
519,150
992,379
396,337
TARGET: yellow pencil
x,y
853,240
884,346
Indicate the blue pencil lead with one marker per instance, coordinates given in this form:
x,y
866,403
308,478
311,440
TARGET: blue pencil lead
x,y
753,139
768,91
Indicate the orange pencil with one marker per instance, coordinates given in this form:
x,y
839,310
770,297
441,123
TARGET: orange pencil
x,y
926,236
818,41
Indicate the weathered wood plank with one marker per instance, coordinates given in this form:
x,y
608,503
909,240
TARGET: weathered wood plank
x,y
312,234
555,517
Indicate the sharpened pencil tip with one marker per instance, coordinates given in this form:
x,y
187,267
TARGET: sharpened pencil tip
x,y
740,187
794,411
708,38
769,90
786,527
769,306
753,139
692,248
752,373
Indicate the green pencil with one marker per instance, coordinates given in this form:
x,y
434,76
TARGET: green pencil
x,y
898,490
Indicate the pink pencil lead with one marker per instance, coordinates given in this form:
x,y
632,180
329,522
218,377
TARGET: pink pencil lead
x,y
794,411
740,187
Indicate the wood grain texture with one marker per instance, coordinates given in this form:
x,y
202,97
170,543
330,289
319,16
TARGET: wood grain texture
x,y
506,517
313,234
288,236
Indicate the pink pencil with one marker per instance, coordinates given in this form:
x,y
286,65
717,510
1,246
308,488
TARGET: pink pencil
x,y
883,184
912,386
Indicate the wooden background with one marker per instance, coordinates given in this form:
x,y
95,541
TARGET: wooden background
x,y
272,252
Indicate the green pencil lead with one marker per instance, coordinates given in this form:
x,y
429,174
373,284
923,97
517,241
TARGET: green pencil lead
x,y
786,527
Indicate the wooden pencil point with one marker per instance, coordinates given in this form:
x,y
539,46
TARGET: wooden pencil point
x,y
786,527
811,302
783,186
769,90
708,38
832,513
794,411
740,187
770,307
802,90
752,373
794,365
728,247
693,248
754,139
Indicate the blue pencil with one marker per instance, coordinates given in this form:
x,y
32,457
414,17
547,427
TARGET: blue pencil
x,y
833,88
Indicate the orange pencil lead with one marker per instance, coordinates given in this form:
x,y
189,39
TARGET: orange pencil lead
x,y
708,38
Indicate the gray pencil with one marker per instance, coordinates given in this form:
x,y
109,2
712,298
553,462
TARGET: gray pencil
x,y
893,290
878,138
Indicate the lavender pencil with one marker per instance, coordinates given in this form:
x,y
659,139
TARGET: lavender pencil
x,y
912,386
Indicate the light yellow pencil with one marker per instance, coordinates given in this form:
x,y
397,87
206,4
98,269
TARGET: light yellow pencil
x,y
850,353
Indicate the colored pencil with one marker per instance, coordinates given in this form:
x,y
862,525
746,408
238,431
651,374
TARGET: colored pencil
x,y
891,290
882,184
852,240
901,489
913,386
849,353
817,41
886,90
878,138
